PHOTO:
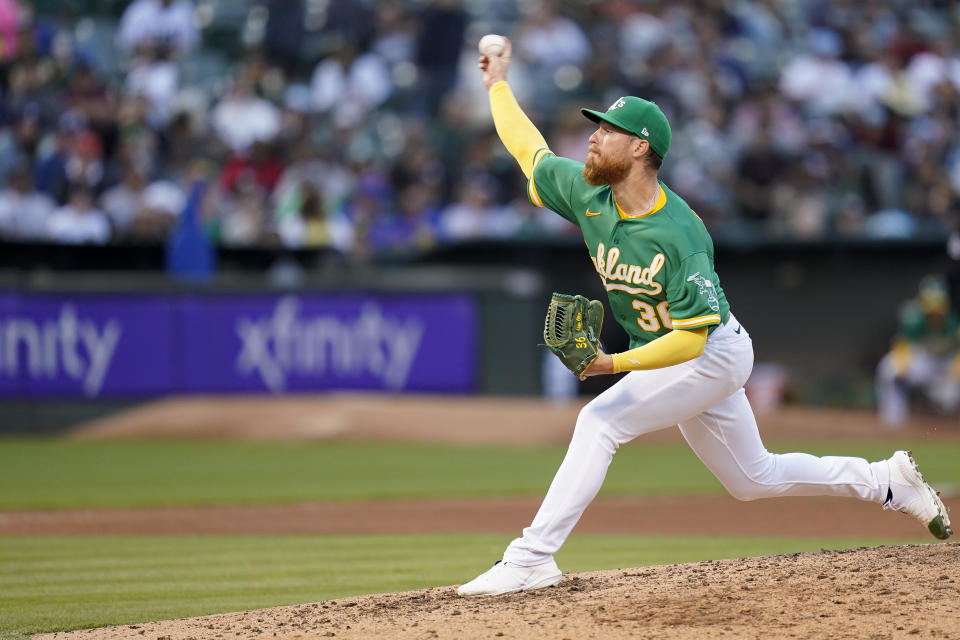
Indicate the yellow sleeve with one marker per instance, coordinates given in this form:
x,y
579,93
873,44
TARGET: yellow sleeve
x,y
518,134
669,349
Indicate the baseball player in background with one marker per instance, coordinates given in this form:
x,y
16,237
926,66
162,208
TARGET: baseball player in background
x,y
689,356
925,355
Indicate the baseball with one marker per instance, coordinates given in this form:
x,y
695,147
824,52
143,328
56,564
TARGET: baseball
x,y
491,45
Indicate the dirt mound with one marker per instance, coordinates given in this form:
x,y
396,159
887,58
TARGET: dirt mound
x,y
357,416
881,592
447,419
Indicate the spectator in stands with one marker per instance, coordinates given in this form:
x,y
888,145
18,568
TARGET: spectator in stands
x,y
481,156
928,194
31,86
641,32
160,206
261,164
873,79
370,203
935,69
9,28
820,80
706,169
348,84
421,165
442,24
548,40
244,187
303,221
158,26
333,181
156,78
759,170
242,118
475,212
51,167
571,136
183,137
295,117
79,221
138,144
283,40
555,48
124,200
413,227
85,165
24,211
89,96
19,142
241,211
394,36
925,355
347,19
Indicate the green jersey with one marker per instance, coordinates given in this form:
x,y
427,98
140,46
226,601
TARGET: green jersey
x,y
938,334
657,267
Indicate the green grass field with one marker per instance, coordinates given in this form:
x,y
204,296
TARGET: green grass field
x,y
45,474
51,584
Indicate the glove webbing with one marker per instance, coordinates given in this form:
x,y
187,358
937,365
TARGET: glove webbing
x,y
555,331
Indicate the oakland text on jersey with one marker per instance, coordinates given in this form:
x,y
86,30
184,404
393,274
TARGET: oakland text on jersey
x,y
608,269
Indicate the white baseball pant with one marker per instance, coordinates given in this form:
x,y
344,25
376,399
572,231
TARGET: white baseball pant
x,y
706,399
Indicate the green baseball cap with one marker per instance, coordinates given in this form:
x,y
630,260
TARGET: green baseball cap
x,y
640,117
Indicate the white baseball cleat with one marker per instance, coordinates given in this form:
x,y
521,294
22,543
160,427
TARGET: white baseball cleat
x,y
910,494
506,577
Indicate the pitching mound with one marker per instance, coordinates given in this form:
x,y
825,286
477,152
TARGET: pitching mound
x,y
448,419
882,592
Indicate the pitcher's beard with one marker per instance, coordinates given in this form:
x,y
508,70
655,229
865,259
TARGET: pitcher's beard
x,y
597,172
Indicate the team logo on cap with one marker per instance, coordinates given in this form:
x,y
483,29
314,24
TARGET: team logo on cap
x,y
616,105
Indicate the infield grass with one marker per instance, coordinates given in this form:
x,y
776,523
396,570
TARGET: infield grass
x,y
54,584
60,474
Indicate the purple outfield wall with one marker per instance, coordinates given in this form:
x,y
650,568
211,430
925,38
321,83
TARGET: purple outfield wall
x,y
110,345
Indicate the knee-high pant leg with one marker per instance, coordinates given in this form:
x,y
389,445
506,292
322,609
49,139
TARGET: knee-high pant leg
x,y
726,440
641,402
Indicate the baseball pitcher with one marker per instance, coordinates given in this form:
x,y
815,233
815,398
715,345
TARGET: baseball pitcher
x,y
689,356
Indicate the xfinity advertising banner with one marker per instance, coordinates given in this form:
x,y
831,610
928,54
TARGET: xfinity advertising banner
x,y
113,345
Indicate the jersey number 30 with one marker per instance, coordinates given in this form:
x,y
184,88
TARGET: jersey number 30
x,y
652,319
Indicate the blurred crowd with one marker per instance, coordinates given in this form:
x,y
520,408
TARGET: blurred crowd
x,y
363,126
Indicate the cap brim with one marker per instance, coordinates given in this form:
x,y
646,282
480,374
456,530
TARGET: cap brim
x,y
595,116
600,116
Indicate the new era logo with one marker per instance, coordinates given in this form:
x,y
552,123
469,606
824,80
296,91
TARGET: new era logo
x,y
645,132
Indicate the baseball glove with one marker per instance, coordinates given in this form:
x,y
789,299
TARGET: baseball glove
x,y
572,330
